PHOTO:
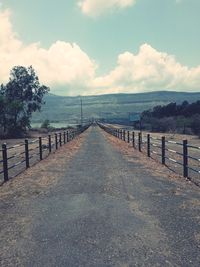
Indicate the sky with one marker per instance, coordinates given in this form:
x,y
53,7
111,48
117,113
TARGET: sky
x,y
88,47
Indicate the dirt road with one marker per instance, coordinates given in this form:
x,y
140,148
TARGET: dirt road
x,y
104,210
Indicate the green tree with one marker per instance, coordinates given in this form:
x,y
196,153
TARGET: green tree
x,y
195,125
2,112
46,124
21,96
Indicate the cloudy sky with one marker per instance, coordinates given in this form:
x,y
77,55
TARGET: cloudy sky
x,y
103,46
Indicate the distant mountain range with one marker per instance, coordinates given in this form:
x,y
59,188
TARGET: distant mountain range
x,y
112,106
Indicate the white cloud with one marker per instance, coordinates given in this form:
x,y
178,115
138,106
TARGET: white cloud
x,y
62,63
149,70
65,65
95,8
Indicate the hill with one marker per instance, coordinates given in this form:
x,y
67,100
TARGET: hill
x,y
112,106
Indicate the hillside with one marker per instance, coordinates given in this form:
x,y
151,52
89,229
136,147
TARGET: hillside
x,y
67,109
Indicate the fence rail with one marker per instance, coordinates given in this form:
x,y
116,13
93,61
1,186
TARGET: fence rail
x,y
21,156
181,157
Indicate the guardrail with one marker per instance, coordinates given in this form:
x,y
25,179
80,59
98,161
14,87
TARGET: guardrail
x,y
15,159
179,156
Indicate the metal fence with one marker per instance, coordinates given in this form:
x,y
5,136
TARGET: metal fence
x,y
179,156
15,159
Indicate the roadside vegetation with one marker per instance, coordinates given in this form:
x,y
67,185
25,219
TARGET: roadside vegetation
x,y
46,126
183,118
19,99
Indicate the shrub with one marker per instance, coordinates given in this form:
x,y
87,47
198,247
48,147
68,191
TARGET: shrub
x,y
45,124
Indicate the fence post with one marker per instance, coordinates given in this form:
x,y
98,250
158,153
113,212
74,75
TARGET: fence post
x,y
185,158
60,139
40,147
163,150
148,146
27,154
5,162
133,139
56,141
139,141
124,135
64,137
49,143
128,137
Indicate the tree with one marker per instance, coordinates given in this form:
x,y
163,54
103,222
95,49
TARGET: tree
x,y
195,125
2,112
21,96
46,124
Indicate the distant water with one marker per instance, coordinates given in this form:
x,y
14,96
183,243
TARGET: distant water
x,y
53,124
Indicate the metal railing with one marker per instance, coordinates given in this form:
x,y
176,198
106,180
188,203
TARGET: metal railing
x,y
179,156
15,159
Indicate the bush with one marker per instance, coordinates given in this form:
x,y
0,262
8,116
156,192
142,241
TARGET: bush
x,y
163,125
45,124
195,124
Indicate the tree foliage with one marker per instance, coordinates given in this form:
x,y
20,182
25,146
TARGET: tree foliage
x,y
172,109
174,118
19,98
46,124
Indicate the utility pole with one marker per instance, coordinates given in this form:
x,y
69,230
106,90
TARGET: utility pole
x,y
81,112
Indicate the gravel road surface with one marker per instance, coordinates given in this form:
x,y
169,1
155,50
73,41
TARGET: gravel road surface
x,y
104,211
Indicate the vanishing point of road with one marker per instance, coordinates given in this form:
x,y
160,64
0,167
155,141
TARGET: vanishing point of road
x,y
104,210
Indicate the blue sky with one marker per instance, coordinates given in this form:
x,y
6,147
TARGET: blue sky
x,y
113,45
